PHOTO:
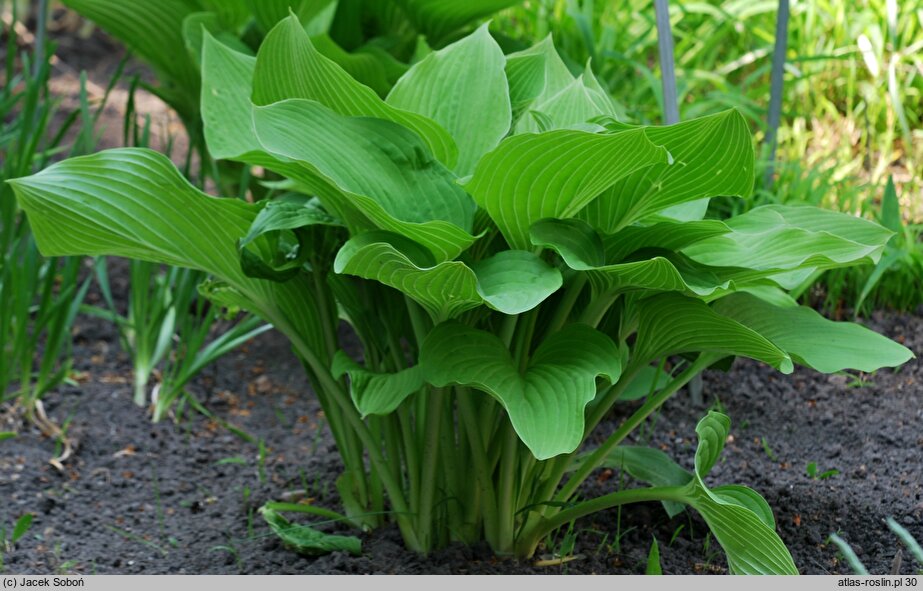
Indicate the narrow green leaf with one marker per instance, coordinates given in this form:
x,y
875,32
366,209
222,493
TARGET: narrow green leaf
x,y
377,393
554,175
912,545
22,526
812,340
891,208
463,88
891,258
546,404
653,559
849,554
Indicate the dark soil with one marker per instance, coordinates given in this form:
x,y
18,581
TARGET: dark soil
x,y
182,497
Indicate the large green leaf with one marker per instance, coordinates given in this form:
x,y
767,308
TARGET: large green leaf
x,y
554,175
377,393
366,156
545,404
711,156
288,66
153,30
463,88
670,324
445,290
439,18
582,249
774,243
134,203
663,236
230,131
227,81
374,165
512,282
812,340
515,281
780,237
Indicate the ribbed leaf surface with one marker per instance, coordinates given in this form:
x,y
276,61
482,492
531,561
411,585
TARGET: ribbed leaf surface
x,y
546,404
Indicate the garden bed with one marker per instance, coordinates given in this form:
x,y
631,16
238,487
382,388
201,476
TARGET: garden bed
x,y
182,497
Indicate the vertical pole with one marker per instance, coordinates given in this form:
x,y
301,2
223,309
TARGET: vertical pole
x,y
777,83
667,73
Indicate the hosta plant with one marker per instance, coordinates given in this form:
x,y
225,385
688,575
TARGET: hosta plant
x,y
515,262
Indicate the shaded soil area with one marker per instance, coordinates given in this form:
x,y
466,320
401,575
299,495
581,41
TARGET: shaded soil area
x,y
181,497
